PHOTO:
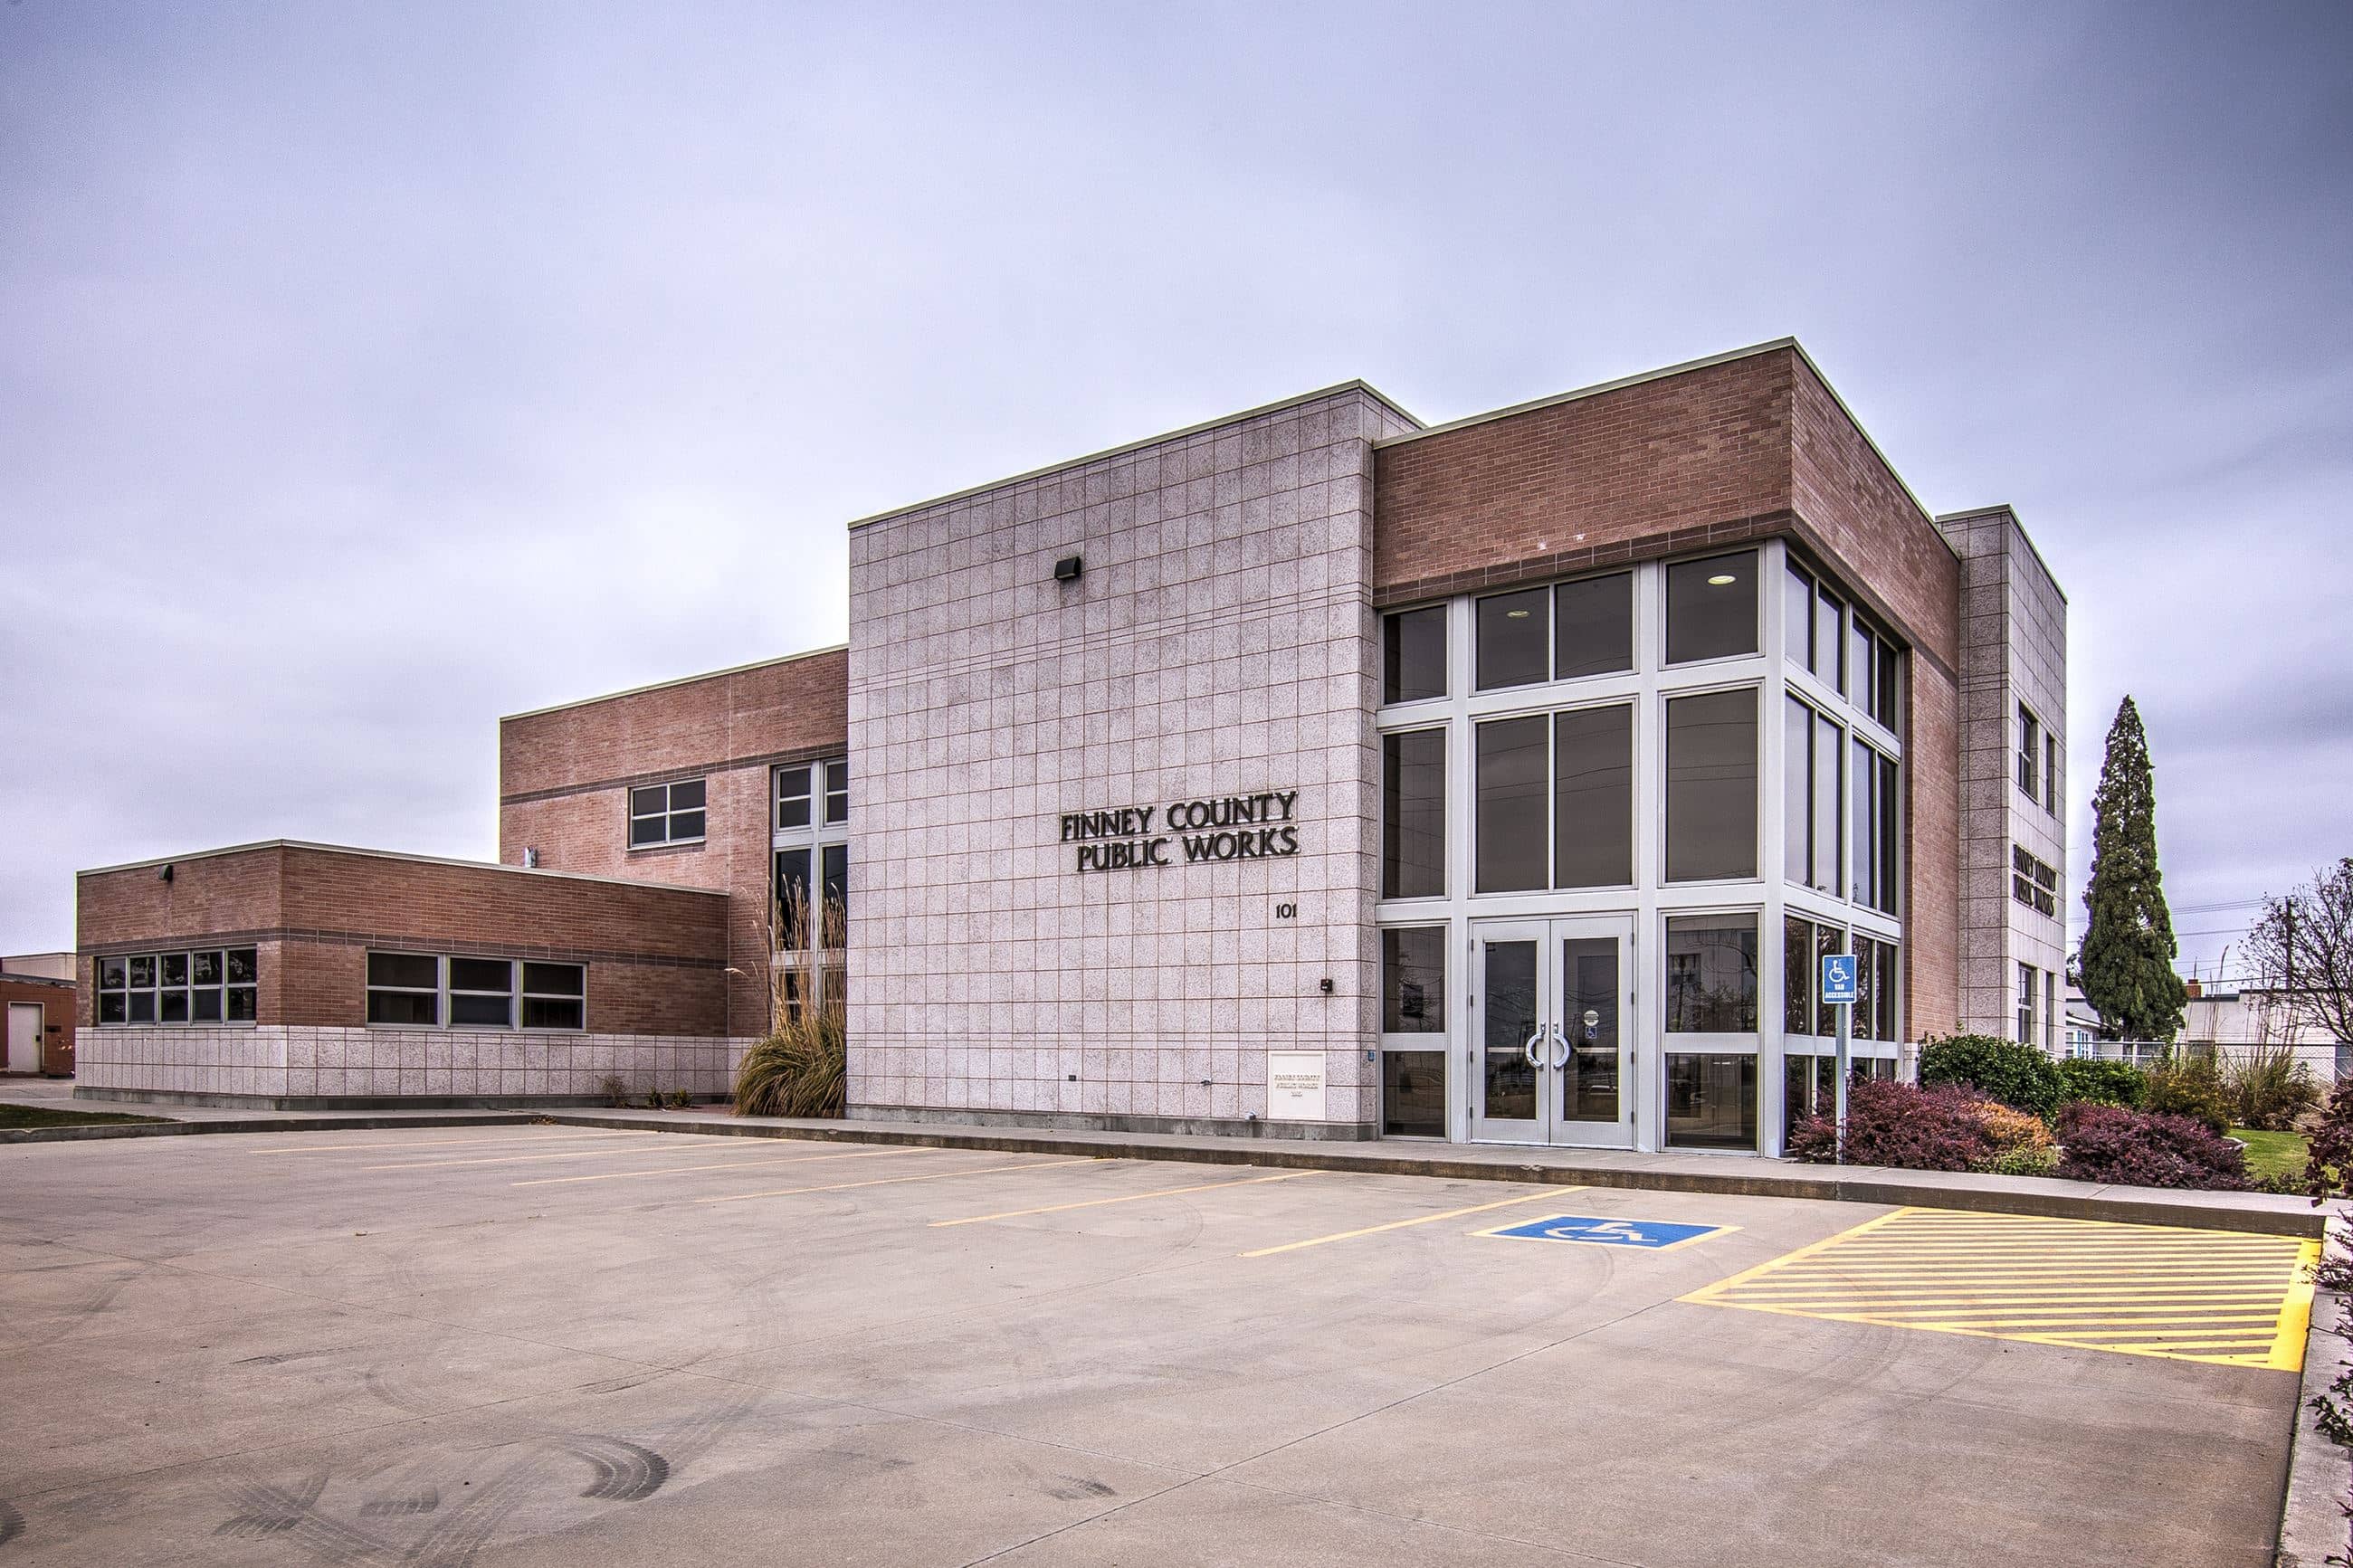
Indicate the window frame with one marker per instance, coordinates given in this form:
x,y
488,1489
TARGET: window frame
x,y
668,814
187,989
2028,747
444,990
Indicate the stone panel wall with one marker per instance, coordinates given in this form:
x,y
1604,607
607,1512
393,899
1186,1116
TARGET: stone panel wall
x,y
1218,642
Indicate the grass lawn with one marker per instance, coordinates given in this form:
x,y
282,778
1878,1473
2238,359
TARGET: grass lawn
x,y
2272,1154
41,1116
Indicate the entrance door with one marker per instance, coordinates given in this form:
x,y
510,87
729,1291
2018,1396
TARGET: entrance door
x,y
1551,1061
23,1037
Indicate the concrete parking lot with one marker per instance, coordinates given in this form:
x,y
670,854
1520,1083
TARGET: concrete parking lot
x,y
517,1346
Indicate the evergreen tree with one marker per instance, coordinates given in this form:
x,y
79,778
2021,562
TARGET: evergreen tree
x,y
2126,959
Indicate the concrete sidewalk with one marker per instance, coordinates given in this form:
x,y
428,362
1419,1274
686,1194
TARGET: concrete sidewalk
x,y
179,1120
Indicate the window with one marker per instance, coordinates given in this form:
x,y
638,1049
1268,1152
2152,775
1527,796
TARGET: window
x,y
1413,654
1884,989
2026,998
482,993
1798,616
2032,882
1712,975
1593,626
837,791
214,985
793,797
1593,797
1711,786
1413,980
827,903
1413,815
2030,752
1871,790
666,814
1515,636
1509,826
2050,1013
1812,803
1413,1094
1711,607
2051,773
1830,650
1711,1101
1797,976
555,997
420,990
404,988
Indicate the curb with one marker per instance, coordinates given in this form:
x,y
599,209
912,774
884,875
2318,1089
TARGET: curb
x,y
2140,1209
258,1124
2314,1529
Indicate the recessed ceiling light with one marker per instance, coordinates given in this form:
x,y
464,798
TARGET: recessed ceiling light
x,y
1722,579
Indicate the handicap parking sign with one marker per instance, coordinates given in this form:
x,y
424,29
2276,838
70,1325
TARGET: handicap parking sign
x,y
1653,1235
1839,980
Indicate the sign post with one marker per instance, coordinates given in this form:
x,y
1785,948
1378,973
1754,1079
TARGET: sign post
x,y
1839,990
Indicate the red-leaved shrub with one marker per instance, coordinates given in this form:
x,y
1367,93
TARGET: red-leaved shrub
x,y
1891,1124
2145,1149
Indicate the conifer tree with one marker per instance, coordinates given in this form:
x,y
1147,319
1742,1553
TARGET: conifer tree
x,y
2126,959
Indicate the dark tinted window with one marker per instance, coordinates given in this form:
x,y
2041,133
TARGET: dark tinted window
x,y
494,1011
1414,655
480,975
1413,815
1413,1094
403,1008
404,969
1514,633
1711,607
554,979
1413,981
1711,1101
1510,852
1711,786
1593,797
793,898
1712,975
1593,626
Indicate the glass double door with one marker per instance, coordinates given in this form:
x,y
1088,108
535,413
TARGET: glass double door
x,y
1552,1060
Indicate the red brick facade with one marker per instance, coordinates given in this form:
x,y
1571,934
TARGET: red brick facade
x,y
1747,447
564,774
57,1000
655,955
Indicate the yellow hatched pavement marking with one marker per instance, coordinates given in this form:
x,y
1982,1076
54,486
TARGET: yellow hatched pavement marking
x,y
1418,1219
2172,1292
1122,1198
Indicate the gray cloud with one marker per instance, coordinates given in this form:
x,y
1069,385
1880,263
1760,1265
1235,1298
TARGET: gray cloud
x,y
376,371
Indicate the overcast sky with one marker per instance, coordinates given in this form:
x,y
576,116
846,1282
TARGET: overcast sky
x,y
367,372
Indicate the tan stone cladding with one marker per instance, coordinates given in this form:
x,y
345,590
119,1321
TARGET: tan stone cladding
x,y
1214,653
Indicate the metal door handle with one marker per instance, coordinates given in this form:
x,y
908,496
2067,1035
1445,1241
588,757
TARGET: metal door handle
x,y
1567,1050
1529,1050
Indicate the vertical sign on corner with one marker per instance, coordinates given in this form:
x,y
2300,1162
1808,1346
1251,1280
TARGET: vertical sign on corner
x,y
1295,1086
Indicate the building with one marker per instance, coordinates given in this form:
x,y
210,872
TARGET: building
x,y
2231,1022
38,1003
1311,771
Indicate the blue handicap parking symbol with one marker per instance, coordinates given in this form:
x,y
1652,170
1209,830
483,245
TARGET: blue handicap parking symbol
x,y
1646,1233
1838,978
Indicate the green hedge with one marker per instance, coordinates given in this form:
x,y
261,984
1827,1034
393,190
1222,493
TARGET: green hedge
x,y
2014,1074
2103,1082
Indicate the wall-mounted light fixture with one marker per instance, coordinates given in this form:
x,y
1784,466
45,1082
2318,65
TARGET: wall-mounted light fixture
x,y
166,874
1067,569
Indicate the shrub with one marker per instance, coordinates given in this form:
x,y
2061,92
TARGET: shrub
x,y
2190,1087
2025,1160
616,1092
802,1069
1891,1124
2147,1149
2328,1158
2014,1074
2097,1082
2267,1088
2012,1129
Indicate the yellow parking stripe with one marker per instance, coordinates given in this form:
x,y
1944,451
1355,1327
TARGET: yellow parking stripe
x,y
888,1180
1402,1224
2149,1290
744,1161
1124,1199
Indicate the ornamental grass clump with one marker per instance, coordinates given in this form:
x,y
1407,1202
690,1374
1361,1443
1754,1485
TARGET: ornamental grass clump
x,y
2266,1087
2147,1149
1897,1124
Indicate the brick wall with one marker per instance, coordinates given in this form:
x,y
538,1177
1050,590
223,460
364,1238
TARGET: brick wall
x,y
564,775
58,1017
655,955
